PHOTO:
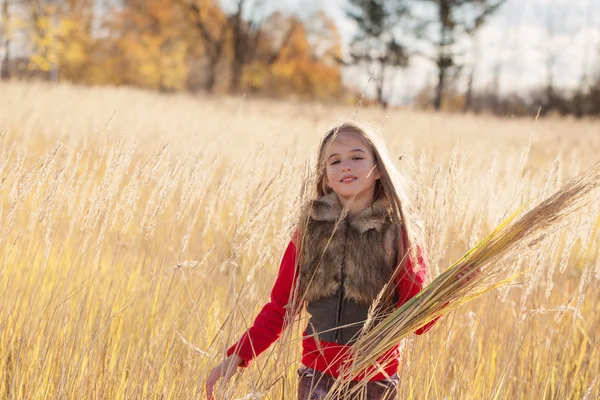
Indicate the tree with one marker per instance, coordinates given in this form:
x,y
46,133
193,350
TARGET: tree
x,y
174,45
226,35
453,18
324,38
473,33
5,34
44,20
244,35
146,46
278,35
212,27
591,99
377,44
59,35
295,58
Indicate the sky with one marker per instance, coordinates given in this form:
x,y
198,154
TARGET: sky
x,y
514,42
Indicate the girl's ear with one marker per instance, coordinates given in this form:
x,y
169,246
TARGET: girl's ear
x,y
377,173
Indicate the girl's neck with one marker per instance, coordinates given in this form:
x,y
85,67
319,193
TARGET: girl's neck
x,y
359,203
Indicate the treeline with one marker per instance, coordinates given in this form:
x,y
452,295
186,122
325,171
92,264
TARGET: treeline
x,y
199,45
392,32
580,102
174,45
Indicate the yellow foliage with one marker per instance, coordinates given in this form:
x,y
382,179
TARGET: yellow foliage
x,y
153,63
61,41
153,44
298,71
255,76
42,63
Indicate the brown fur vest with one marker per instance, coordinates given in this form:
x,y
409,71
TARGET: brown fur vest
x,y
360,251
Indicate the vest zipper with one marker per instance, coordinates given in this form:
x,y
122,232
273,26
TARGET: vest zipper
x,y
340,300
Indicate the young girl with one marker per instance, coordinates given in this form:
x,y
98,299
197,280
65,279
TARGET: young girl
x,y
357,245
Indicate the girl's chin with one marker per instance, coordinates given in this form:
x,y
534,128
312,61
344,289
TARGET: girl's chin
x,y
346,193
349,190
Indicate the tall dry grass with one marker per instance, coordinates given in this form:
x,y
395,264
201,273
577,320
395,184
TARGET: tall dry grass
x,y
140,234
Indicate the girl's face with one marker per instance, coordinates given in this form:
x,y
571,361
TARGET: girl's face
x,y
350,166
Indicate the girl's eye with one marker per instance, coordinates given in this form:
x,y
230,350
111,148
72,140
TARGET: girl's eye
x,y
354,158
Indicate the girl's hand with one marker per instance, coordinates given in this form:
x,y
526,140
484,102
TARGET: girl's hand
x,y
226,369
472,274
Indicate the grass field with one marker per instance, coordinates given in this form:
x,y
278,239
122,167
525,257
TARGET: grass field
x,y
140,234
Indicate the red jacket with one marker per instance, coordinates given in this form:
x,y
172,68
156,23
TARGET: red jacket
x,y
327,357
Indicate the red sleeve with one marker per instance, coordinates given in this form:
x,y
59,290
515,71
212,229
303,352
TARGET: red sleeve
x,y
268,324
410,283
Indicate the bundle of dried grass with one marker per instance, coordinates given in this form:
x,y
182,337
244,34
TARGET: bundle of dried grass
x,y
479,271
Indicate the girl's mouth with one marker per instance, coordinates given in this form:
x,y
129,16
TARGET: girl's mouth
x,y
349,179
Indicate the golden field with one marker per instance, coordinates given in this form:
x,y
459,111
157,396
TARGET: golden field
x,y
141,233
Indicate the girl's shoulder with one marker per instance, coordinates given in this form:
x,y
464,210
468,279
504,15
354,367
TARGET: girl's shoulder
x,y
296,236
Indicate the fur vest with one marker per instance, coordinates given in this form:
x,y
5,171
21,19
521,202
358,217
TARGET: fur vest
x,y
358,253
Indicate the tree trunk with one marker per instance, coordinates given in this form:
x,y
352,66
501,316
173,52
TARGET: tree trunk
x,y
380,92
444,60
441,64
439,90
214,46
237,61
469,95
496,89
240,47
237,69
4,67
211,76
379,82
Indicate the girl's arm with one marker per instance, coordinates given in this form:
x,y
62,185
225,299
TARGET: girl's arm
x,y
410,283
268,324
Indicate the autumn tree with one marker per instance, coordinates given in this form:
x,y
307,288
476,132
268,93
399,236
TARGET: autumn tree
x,y
59,36
245,34
5,36
326,52
296,58
210,28
235,39
274,36
377,46
174,45
150,49
42,20
246,31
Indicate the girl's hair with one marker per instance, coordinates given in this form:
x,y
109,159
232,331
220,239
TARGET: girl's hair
x,y
391,186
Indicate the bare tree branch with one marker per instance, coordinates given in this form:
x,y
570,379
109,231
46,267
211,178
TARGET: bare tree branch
x,y
284,43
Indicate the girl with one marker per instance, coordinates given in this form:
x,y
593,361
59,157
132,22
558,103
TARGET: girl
x,y
357,253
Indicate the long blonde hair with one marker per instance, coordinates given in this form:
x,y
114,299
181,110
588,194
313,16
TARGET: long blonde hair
x,y
392,186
